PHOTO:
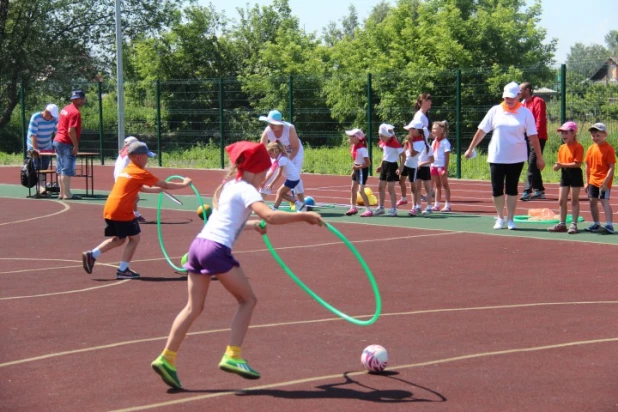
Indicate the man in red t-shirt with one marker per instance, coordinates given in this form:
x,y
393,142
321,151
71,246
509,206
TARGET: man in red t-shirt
x,y
66,143
536,105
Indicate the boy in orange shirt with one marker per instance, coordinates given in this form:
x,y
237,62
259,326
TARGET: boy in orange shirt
x,y
570,159
120,221
600,162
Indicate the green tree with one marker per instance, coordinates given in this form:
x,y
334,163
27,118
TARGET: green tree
x,y
586,60
611,40
65,41
332,33
417,45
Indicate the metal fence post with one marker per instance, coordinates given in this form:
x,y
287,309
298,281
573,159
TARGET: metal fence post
x,y
101,149
563,93
458,121
24,127
221,142
369,114
291,98
158,99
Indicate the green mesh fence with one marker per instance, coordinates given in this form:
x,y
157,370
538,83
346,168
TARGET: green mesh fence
x,y
189,122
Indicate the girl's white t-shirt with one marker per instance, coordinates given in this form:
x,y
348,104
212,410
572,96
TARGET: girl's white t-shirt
x,y
422,117
508,141
228,220
426,153
443,146
361,154
391,154
288,168
412,161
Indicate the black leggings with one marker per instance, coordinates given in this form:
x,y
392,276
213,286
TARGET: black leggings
x,y
504,178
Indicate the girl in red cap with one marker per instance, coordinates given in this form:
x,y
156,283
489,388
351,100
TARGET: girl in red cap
x,y
210,254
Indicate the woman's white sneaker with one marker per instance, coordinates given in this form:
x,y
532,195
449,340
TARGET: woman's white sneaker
x,y
499,224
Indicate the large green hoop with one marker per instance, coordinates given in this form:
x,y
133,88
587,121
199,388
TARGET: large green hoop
x,y
176,268
326,305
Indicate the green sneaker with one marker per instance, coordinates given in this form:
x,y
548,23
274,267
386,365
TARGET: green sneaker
x,y
238,366
167,372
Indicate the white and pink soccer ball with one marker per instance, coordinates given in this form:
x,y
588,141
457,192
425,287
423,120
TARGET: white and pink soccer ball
x,y
374,358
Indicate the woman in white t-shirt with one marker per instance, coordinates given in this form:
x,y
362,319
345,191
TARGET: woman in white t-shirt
x,y
210,254
510,122
423,105
360,171
285,132
439,167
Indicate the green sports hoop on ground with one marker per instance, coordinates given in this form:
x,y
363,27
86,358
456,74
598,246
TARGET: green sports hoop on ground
x,y
326,305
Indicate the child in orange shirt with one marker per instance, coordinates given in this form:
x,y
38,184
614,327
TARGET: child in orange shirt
x,y
120,221
570,159
600,162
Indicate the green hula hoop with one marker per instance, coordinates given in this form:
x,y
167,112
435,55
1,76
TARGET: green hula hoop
x,y
326,305
176,268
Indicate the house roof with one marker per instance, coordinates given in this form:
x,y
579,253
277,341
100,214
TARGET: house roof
x,y
601,73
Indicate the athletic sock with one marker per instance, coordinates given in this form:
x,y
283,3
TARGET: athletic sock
x,y
233,352
123,266
404,198
96,252
447,204
170,357
137,213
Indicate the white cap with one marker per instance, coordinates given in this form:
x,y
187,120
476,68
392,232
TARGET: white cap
x,y
355,132
130,140
53,110
511,90
414,124
387,130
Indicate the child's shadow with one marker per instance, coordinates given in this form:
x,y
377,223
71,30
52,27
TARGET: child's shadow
x,y
338,391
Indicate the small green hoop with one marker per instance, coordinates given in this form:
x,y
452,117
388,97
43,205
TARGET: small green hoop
x,y
176,268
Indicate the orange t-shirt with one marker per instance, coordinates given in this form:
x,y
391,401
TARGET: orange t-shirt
x,y
569,153
598,160
119,205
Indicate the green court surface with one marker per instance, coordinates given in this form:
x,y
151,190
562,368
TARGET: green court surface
x,y
453,222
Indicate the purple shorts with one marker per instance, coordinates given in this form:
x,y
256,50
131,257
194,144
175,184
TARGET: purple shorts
x,y
209,258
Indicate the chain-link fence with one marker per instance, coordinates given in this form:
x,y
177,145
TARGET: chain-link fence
x,y
189,122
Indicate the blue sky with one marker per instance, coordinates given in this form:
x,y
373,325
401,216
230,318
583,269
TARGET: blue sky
x,y
566,20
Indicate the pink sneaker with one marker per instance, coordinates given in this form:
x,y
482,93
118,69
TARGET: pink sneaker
x,y
446,209
367,213
401,202
412,212
435,208
351,211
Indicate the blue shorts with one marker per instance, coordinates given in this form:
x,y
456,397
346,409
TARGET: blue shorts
x,y
208,257
42,163
65,161
291,183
